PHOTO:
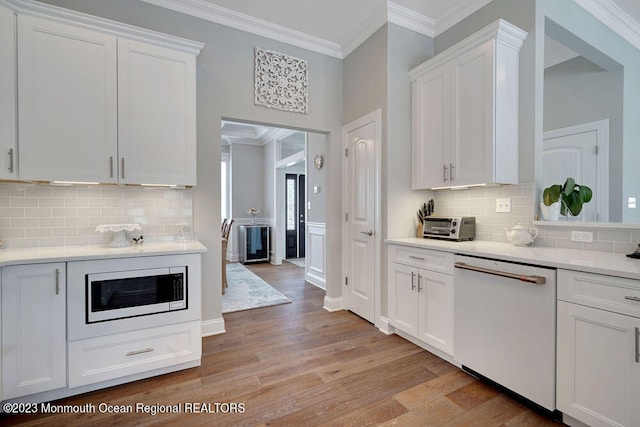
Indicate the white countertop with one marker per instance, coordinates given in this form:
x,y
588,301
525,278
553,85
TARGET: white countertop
x,y
570,259
77,253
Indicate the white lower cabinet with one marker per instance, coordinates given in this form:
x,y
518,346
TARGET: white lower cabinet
x,y
421,295
34,344
104,358
598,363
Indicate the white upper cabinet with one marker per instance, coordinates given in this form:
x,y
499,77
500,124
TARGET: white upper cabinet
x,y
156,114
101,101
68,102
465,111
8,166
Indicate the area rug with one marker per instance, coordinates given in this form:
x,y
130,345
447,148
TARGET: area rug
x,y
247,291
296,261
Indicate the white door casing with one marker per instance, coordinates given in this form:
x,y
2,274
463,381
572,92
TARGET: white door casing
x,y
361,230
580,152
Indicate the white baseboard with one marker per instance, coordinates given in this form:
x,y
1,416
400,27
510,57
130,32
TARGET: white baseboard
x,y
213,327
385,327
319,282
333,304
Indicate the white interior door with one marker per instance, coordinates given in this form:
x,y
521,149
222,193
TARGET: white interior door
x,y
361,219
582,153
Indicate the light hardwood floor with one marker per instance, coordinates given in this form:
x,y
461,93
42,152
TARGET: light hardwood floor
x,y
299,365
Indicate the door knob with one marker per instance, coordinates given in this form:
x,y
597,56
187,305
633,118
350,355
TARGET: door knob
x,y
368,233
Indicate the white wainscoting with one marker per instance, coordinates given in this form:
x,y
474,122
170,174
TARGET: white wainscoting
x,y
315,254
233,246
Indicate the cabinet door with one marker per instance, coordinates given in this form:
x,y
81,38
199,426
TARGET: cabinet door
x,y
156,115
598,373
67,102
403,298
8,103
431,127
472,106
33,329
436,309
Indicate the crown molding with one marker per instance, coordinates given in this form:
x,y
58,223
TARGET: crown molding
x,y
71,17
611,15
457,12
410,19
377,19
230,18
508,34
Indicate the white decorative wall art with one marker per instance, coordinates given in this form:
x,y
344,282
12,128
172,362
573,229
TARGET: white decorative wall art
x,y
281,81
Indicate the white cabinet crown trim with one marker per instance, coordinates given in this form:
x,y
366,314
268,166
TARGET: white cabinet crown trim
x,y
500,30
66,16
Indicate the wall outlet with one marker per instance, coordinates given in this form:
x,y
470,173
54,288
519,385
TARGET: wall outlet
x,y
582,236
503,205
631,203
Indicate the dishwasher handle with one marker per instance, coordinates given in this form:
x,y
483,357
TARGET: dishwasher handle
x,y
538,280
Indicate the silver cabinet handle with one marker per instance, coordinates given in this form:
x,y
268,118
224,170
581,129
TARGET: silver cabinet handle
x,y
110,166
413,286
122,167
10,160
416,257
637,299
57,281
144,350
637,345
444,173
368,233
538,280
451,172
419,287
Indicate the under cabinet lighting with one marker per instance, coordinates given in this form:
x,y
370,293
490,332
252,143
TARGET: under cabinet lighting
x,y
162,185
75,183
459,187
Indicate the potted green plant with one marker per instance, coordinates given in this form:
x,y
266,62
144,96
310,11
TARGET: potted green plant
x,y
568,197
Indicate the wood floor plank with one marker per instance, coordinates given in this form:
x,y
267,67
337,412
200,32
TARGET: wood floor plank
x,y
298,364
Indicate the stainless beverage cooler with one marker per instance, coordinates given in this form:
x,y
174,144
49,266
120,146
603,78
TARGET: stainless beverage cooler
x,y
254,243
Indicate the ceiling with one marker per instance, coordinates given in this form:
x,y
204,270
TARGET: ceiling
x,y
337,27
255,134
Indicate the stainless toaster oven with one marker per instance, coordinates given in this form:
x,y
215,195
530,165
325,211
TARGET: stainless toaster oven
x,y
451,228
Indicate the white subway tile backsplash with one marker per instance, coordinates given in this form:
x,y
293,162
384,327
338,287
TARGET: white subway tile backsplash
x,y
480,202
47,215
38,212
24,222
51,202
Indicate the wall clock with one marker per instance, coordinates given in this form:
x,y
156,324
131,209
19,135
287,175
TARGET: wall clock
x,y
317,161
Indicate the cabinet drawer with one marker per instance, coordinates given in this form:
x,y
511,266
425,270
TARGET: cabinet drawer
x,y
615,294
103,358
427,259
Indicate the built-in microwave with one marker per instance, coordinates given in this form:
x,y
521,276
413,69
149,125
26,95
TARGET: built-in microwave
x,y
123,294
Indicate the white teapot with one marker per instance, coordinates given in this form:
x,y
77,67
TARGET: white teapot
x,y
520,235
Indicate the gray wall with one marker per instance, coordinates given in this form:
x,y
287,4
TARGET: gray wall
x,y
577,92
365,78
269,177
247,180
316,144
586,27
225,90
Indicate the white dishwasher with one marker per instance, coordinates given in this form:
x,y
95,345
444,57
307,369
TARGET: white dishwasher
x,y
505,325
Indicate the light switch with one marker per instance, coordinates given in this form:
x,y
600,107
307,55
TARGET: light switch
x,y
632,203
316,189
